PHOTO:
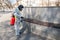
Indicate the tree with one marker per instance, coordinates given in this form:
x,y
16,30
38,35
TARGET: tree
x,y
5,3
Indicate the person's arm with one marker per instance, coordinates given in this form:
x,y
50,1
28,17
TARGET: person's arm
x,y
15,14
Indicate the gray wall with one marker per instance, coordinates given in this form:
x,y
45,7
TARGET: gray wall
x,y
51,14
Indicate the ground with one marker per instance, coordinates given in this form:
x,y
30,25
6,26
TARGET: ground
x,y
7,31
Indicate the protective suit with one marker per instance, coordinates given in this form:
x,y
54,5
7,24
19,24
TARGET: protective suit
x,y
19,19
17,15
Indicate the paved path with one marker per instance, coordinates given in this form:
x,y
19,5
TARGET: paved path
x,y
7,32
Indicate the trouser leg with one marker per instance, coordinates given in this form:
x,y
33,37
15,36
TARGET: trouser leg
x,y
28,28
17,28
25,26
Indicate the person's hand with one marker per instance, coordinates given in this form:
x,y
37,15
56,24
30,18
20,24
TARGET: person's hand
x,y
21,20
22,17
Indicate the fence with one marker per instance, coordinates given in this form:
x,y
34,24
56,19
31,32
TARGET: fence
x,y
44,14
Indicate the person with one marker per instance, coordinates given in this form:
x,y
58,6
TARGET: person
x,y
18,15
20,19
